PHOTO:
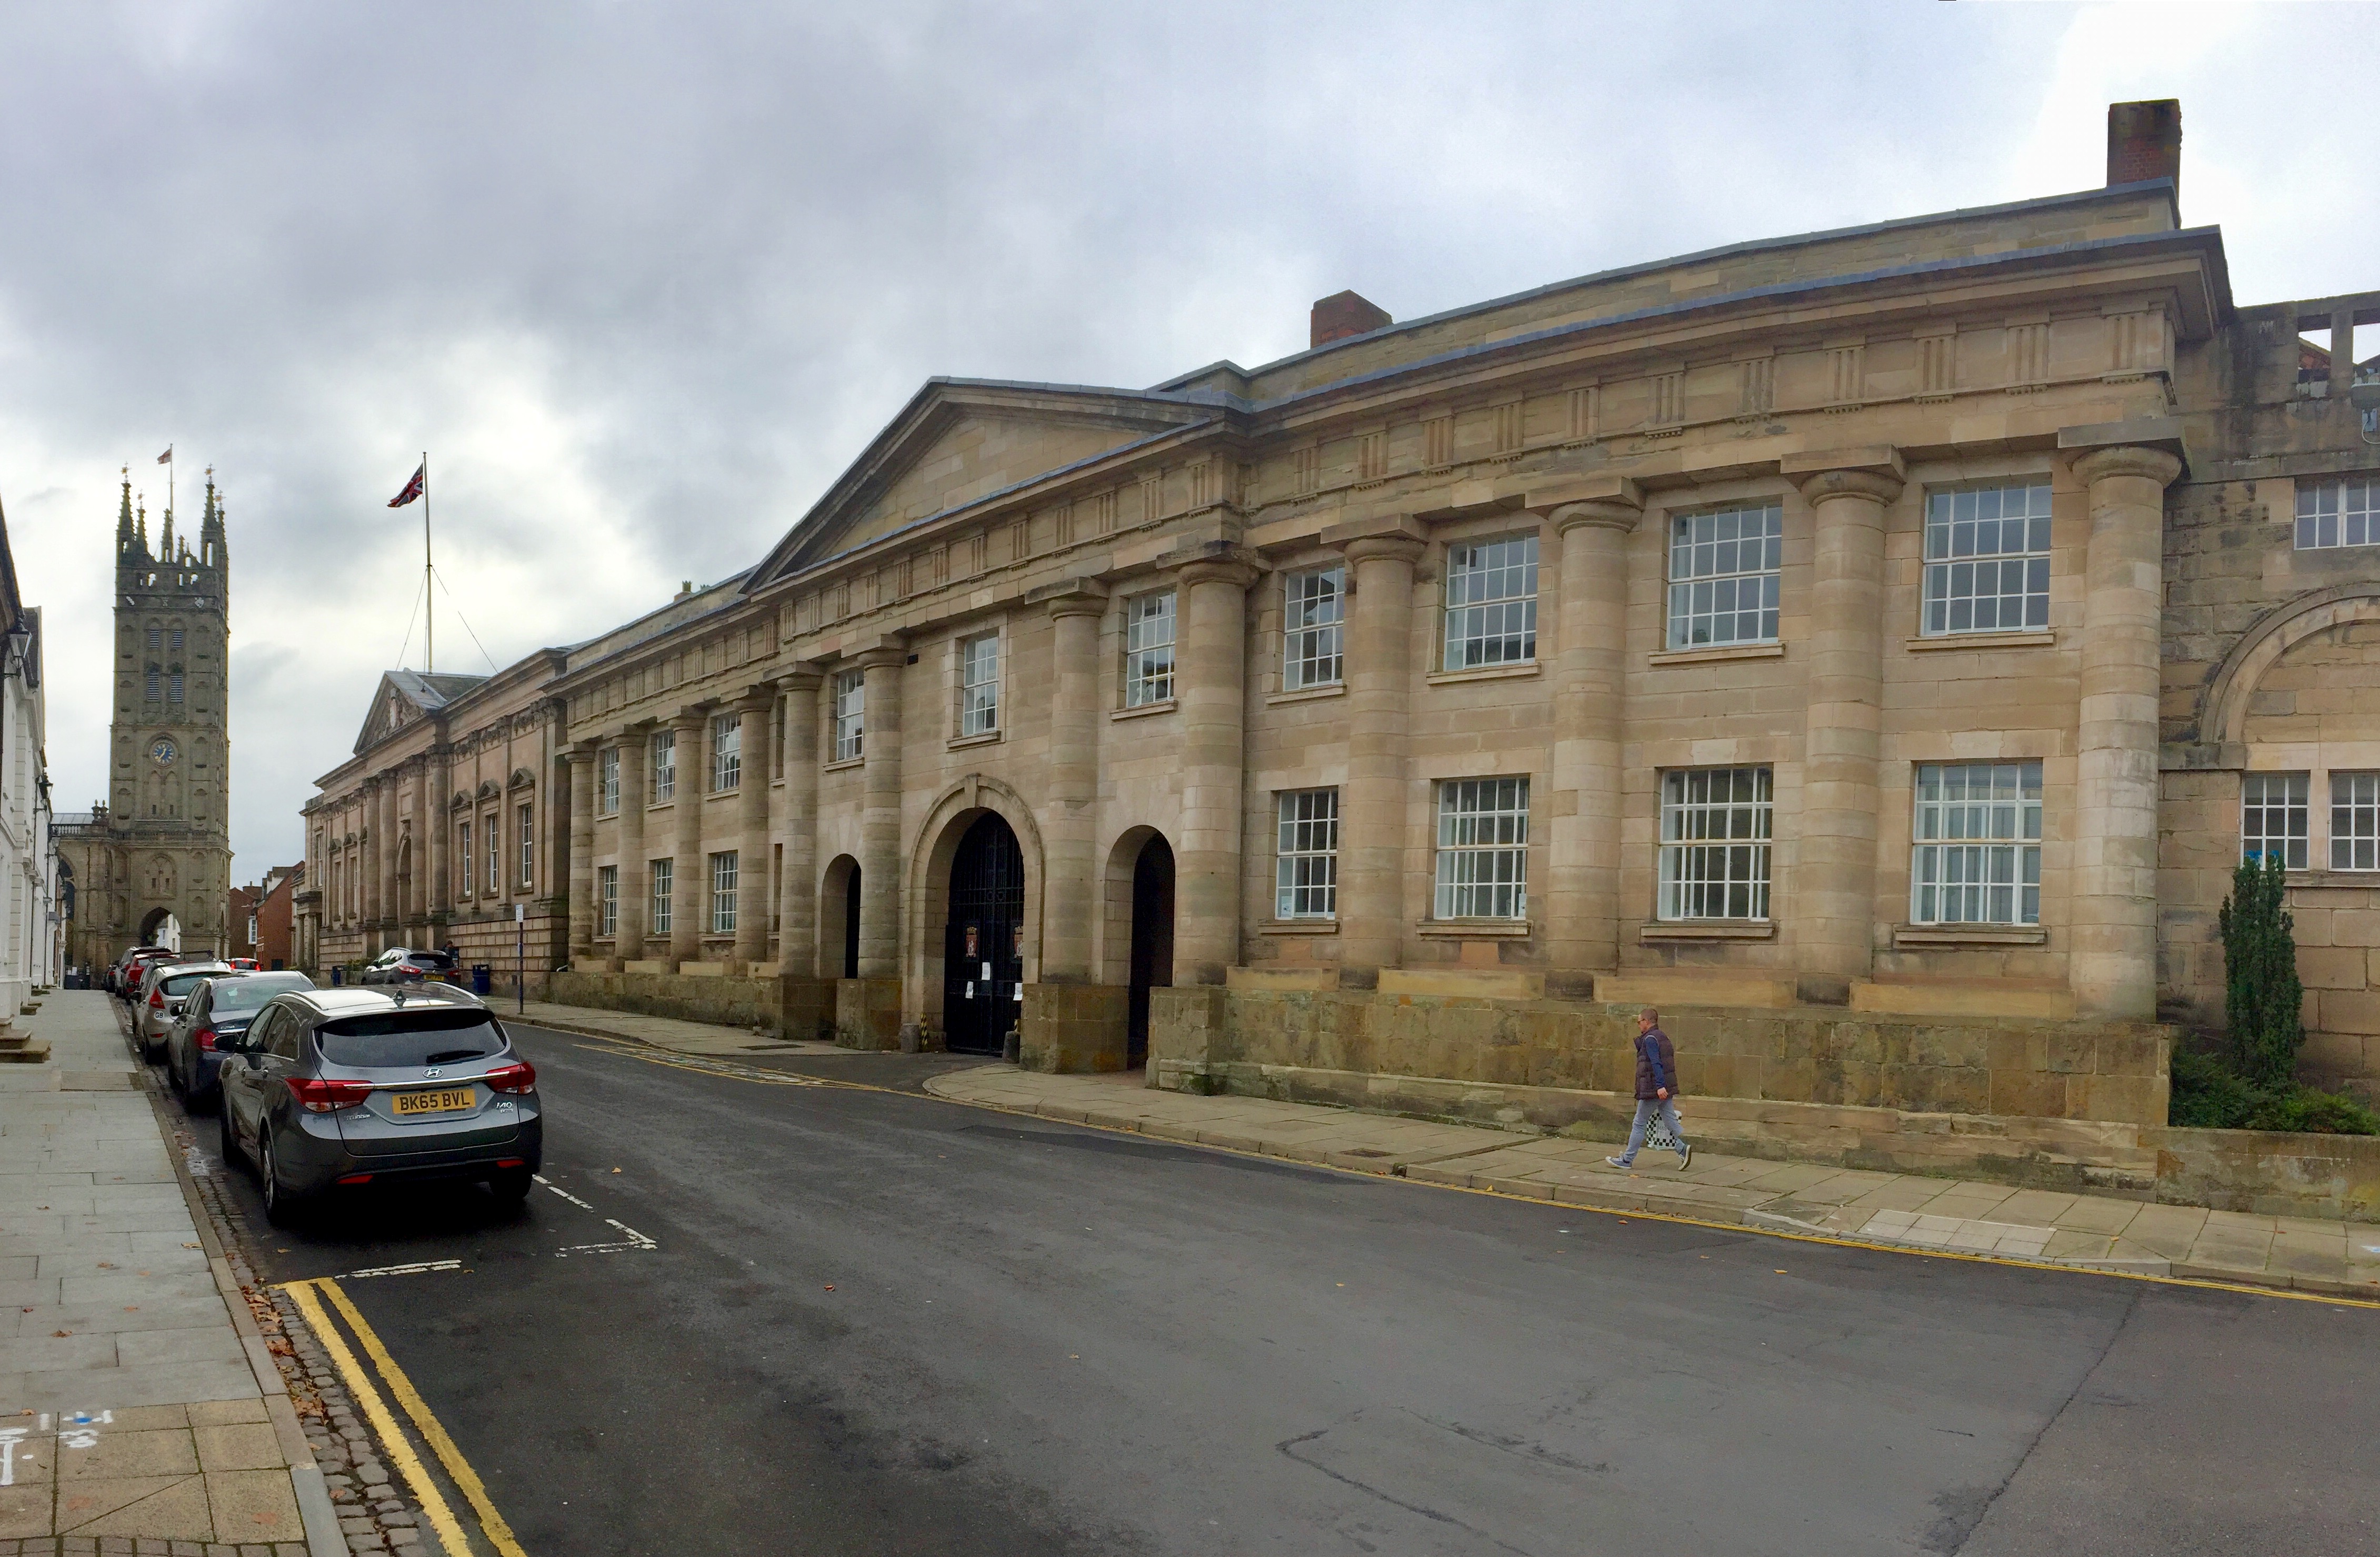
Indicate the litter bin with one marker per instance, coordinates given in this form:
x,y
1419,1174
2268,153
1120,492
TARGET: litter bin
x,y
481,978
338,974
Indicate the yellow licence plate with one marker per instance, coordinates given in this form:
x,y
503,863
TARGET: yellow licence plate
x,y
446,1101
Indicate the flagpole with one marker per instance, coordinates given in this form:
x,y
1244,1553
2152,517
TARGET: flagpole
x,y
428,579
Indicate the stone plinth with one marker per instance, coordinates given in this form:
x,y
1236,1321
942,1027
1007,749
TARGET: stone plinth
x,y
1074,1027
868,1013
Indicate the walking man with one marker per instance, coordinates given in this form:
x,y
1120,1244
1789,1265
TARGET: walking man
x,y
1657,1089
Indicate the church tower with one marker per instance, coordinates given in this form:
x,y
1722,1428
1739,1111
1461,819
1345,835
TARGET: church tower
x,y
166,833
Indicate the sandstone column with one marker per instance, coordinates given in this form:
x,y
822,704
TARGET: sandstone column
x,y
752,847
2113,966
636,877
1583,897
1380,695
583,907
1210,683
797,914
879,825
1834,895
1069,886
689,882
438,822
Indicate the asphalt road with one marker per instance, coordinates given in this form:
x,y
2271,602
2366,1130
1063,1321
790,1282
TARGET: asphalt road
x,y
880,1323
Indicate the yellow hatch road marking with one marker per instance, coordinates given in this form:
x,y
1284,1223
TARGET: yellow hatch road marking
x,y
499,1534
408,1464
705,1065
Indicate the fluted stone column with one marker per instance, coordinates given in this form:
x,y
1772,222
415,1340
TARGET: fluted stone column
x,y
689,883
797,912
2113,965
1380,697
635,874
1834,896
1069,886
1583,899
583,907
390,907
752,810
880,824
438,819
370,907
1210,684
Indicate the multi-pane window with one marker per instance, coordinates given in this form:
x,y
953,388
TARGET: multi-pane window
x,y
527,818
607,900
1307,883
153,678
1716,827
1491,602
156,637
1312,617
2275,810
174,640
662,870
723,893
609,803
174,687
664,765
1988,559
2338,513
463,856
1723,575
1483,849
1977,836
2355,821
1148,649
850,715
979,684
495,855
726,750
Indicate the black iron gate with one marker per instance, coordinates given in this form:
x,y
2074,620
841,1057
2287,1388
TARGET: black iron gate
x,y
983,964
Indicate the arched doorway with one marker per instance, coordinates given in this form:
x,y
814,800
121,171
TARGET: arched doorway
x,y
839,919
983,963
1152,940
161,928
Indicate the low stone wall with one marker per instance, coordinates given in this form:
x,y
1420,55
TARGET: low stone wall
x,y
2098,1071
1073,1028
2277,1173
738,1002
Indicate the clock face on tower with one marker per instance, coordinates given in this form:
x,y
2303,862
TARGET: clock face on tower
x,y
164,750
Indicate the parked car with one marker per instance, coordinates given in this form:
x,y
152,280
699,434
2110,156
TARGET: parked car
x,y
125,977
245,964
399,965
221,1008
331,1088
162,991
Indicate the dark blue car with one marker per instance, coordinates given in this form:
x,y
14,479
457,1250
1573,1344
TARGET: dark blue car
x,y
221,1008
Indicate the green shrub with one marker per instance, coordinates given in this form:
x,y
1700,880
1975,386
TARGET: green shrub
x,y
2208,1095
2261,995
2303,1109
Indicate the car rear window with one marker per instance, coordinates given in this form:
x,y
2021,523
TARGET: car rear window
x,y
397,1039
430,959
182,984
247,994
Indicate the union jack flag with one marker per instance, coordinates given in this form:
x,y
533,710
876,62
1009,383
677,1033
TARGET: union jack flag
x,y
412,488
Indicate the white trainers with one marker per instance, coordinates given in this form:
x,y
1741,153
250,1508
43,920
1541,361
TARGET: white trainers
x,y
1617,1162
1686,1158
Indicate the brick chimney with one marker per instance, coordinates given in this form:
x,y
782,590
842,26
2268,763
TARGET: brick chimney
x,y
1343,314
2144,141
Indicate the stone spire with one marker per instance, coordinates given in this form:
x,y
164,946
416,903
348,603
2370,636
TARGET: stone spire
x,y
211,528
140,527
166,536
124,515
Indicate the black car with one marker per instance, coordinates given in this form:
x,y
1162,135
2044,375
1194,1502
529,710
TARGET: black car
x,y
221,1009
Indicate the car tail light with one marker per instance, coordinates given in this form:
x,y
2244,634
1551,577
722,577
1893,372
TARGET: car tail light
x,y
511,1162
519,1077
357,1178
157,1000
204,1038
318,1097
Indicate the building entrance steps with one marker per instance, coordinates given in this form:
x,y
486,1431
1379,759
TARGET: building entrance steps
x,y
1909,1210
138,1400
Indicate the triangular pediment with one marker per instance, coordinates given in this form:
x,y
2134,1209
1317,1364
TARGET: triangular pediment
x,y
406,697
961,442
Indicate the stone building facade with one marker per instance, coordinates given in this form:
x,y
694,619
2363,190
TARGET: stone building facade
x,y
1862,638
158,850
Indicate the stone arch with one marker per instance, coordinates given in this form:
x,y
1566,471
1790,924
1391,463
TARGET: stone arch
x,y
925,901
1112,954
2224,715
837,917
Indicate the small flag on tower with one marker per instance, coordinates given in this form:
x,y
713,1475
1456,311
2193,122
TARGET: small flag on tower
x,y
167,457
412,488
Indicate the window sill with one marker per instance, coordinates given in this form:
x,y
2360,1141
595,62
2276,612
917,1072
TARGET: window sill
x,y
1297,927
1145,710
1923,936
1474,929
1718,653
1981,640
1483,673
988,737
1307,694
842,764
1707,930
2337,880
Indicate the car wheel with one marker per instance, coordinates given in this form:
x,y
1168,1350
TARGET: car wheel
x,y
510,1186
281,1207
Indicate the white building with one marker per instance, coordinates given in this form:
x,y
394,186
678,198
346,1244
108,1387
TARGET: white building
x,y
28,901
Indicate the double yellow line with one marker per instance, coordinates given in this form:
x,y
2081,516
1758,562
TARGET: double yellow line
x,y
308,1296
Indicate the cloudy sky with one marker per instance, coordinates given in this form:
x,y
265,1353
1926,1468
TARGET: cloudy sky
x,y
643,277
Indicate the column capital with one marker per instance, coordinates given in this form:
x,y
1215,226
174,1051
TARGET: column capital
x,y
756,699
585,748
1876,487
1372,547
1602,513
1070,597
801,680
1213,562
1604,489
692,715
1374,527
1873,470
2128,459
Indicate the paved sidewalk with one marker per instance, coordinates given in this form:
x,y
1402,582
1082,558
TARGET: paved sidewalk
x,y
2335,1259
665,1032
137,1399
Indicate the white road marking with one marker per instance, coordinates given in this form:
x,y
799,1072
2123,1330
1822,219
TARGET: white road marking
x,y
637,1242
414,1269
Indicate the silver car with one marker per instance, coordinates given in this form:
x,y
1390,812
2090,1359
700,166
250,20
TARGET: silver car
x,y
162,993
332,1088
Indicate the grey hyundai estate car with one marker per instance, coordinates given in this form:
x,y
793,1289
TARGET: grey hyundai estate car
x,y
330,1088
